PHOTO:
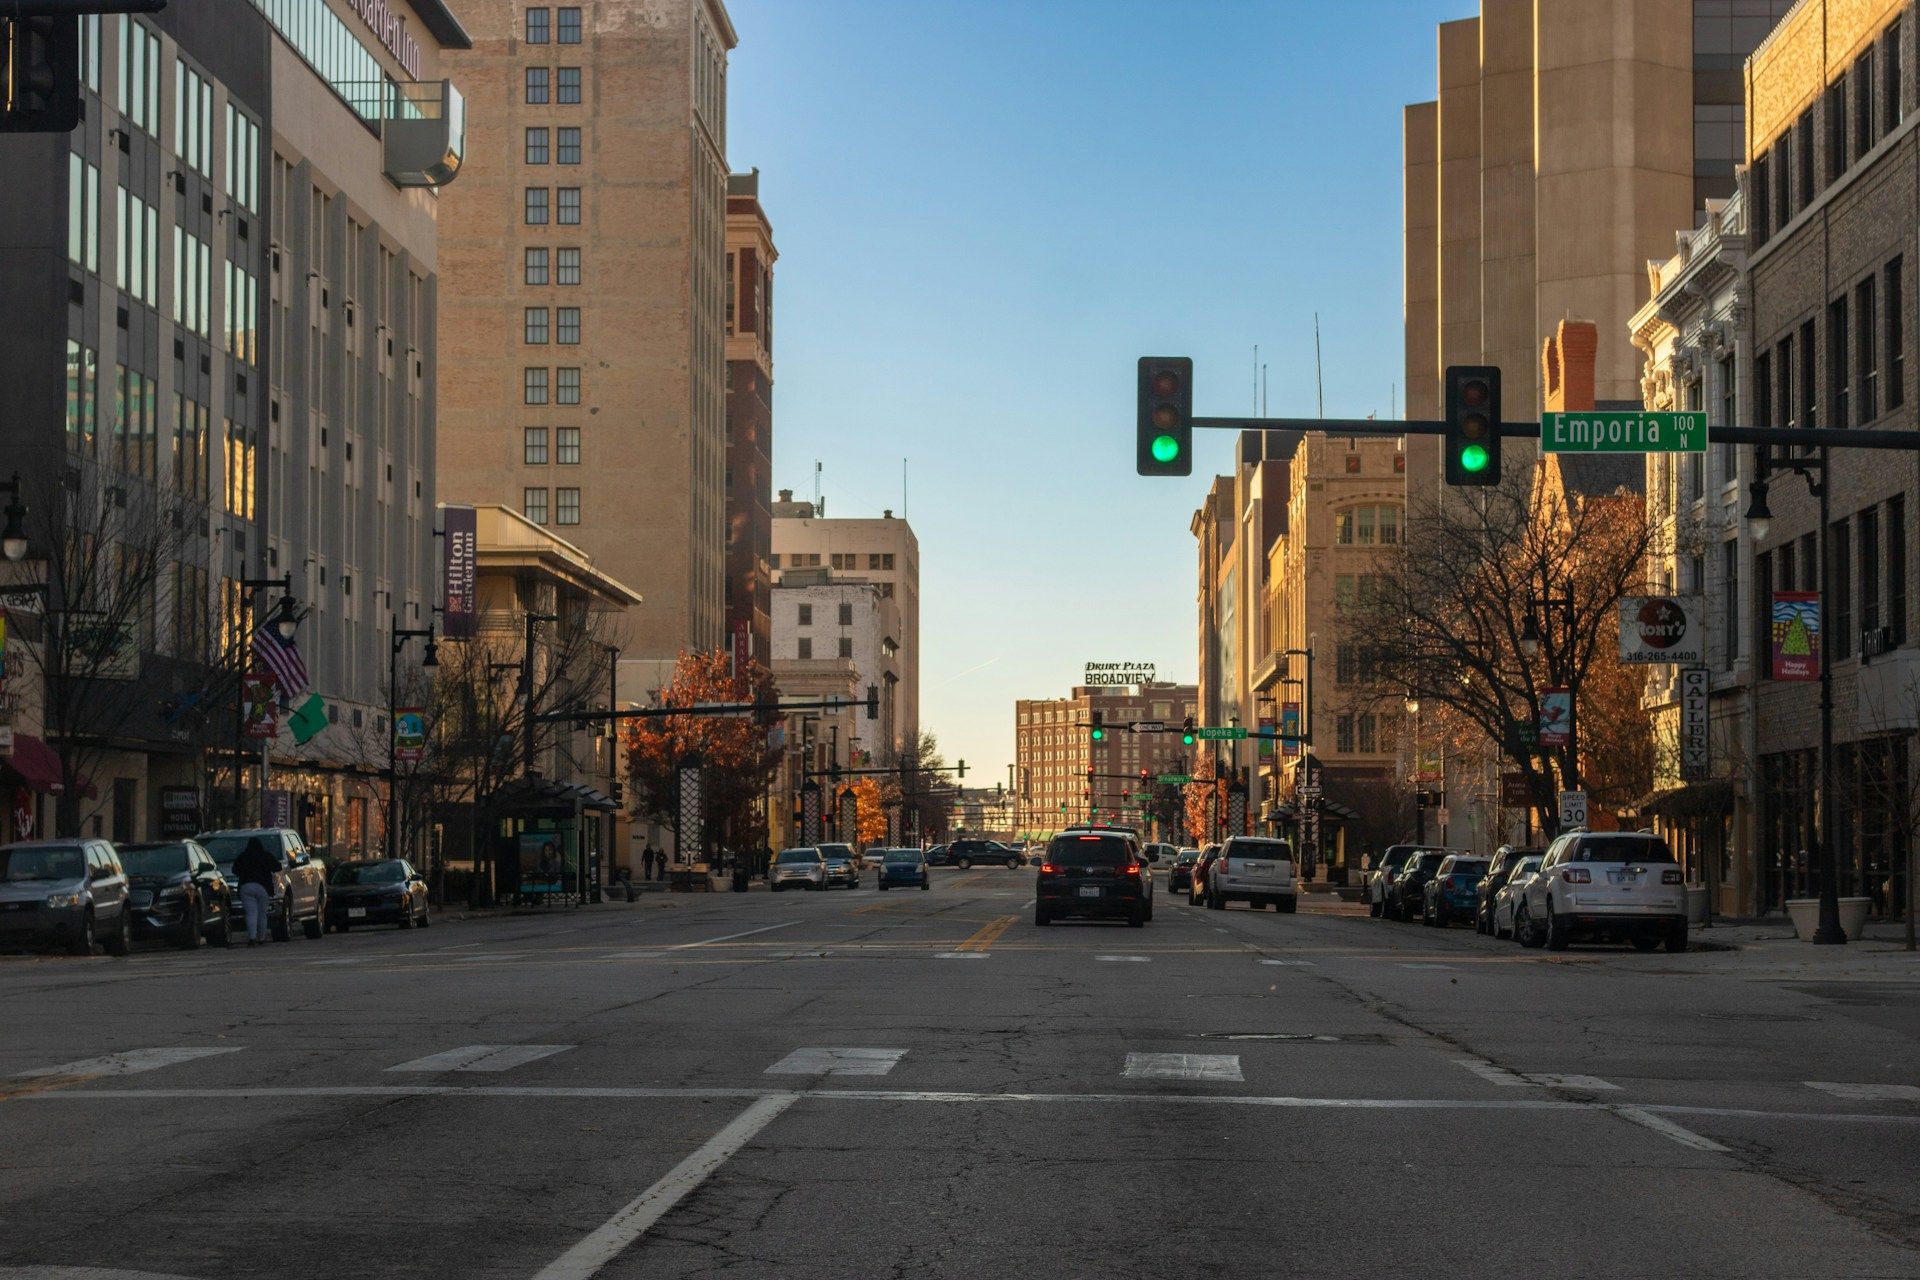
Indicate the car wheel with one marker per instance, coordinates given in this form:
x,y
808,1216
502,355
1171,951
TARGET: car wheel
x,y
1557,936
965,864
1523,929
1040,916
317,926
282,929
1137,920
1290,904
189,937
120,941
82,941
1677,937
1215,902
406,918
1496,930
1011,864
1645,941
1373,910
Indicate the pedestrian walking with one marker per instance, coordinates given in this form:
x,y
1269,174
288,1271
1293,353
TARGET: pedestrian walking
x,y
254,868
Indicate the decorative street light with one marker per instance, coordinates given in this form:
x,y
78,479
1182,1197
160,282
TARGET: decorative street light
x,y
429,661
13,538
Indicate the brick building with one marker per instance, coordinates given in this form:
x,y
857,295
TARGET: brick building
x,y
750,258
1054,749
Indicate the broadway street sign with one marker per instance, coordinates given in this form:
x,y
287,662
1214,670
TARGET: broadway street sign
x,y
1632,431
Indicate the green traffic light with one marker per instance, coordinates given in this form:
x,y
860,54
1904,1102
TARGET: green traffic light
x,y
1165,448
1473,458
1186,739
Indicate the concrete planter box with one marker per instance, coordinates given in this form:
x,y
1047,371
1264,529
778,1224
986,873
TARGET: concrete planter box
x,y
1805,914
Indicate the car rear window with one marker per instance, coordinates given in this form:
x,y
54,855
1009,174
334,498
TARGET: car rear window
x,y
1474,869
1277,849
1430,862
46,862
1526,866
799,855
1621,848
1091,851
903,855
154,860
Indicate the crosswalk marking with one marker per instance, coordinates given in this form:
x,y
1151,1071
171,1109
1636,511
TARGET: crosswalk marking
x,y
961,955
1491,1074
1426,966
1867,1092
1124,959
1553,1080
127,1062
483,1057
837,1062
1183,1066
1292,964
1540,1079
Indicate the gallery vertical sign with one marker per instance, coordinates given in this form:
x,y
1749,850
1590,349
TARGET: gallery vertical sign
x,y
460,571
1695,760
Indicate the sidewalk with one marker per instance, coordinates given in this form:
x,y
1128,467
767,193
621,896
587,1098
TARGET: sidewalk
x,y
1767,948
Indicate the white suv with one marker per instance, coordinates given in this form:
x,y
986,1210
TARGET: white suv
x,y
1607,885
1255,870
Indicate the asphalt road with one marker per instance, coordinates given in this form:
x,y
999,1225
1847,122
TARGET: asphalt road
x,y
927,1085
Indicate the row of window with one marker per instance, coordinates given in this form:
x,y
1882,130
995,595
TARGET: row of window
x,y
1866,359
566,325
139,102
192,118
565,263
806,615
805,644
190,443
1787,178
242,313
243,159
192,282
565,385
1866,569
553,84
83,212
1363,733
565,206
566,446
566,149
840,560
136,272
1367,526
542,25
566,505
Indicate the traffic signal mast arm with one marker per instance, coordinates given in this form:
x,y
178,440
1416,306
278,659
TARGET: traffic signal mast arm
x,y
1843,437
871,703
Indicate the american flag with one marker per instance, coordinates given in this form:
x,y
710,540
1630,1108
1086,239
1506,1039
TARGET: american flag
x,y
282,657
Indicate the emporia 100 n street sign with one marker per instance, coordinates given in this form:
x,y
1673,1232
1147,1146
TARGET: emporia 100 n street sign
x,y
1630,431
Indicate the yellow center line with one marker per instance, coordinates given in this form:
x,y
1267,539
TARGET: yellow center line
x,y
45,1084
987,935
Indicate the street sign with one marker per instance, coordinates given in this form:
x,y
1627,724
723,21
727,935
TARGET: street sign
x,y
1147,726
1221,733
1695,761
1573,809
1176,779
1631,431
1522,737
730,712
1663,629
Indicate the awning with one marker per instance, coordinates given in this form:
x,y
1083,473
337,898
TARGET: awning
x,y
37,765
1691,800
541,792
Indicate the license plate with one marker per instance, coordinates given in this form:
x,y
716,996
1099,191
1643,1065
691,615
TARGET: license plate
x,y
354,913
1090,893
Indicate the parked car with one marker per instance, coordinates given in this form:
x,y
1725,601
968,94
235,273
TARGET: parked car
x,y
300,885
875,857
1160,855
1385,871
65,893
175,891
1180,878
1197,883
1408,891
1097,874
378,891
903,868
1507,899
1454,891
843,865
798,869
936,855
1505,859
1256,870
1608,886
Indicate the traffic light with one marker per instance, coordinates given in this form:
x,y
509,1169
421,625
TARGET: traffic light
x,y
1099,731
1186,733
1143,777
39,74
1473,424
1164,440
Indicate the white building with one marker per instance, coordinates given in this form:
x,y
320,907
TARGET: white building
x,y
816,617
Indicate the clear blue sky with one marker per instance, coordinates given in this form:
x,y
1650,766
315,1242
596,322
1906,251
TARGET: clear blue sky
x,y
986,210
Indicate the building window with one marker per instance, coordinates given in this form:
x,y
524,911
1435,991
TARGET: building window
x,y
1367,526
1897,569
1368,737
1838,366
536,206
569,147
568,266
843,560
1729,415
533,446
139,76
1866,535
806,647
1840,588
536,146
846,615
1803,163
567,388
1890,57
567,447
730,288
567,326
1763,391
1867,351
570,25
1760,198
1836,109
846,646
533,505
536,325
1862,78
568,86
536,272
1896,336
566,506
1809,378
534,382
569,206
537,86
806,615
1343,733
1783,181
538,31
1730,602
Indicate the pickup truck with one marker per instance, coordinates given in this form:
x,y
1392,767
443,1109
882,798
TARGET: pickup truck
x,y
299,887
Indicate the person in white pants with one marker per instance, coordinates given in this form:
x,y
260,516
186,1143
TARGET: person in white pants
x,y
255,868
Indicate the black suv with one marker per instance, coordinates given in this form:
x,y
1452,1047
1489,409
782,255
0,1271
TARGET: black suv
x,y
1505,859
1093,874
1407,897
969,853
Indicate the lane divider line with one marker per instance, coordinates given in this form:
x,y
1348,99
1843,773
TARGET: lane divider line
x,y
1668,1129
987,934
707,942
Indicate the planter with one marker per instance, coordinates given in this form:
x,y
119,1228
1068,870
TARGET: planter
x,y
1696,904
1805,914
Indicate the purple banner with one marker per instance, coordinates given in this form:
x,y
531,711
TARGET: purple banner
x,y
460,570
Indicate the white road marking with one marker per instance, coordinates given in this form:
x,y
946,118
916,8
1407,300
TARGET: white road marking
x,y
1667,1128
1542,1079
1183,1066
348,960
1552,1080
1492,1074
128,1062
1426,966
82,1273
707,942
1293,964
487,957
637,1217
837,1062
1867,1092
1132,959
483,1057
961,955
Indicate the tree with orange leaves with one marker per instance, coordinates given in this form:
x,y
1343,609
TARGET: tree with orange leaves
x,y
735,751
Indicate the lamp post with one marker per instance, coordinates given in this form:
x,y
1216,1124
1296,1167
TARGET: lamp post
x,y
1810,465
428,661
13,538
1535,631
285,623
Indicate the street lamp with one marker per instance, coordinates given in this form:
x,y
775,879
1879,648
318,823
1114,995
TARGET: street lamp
x,y
13,539
287,620
429,661
1540,612
1759,515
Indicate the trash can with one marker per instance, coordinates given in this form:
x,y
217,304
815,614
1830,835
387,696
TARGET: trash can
x,y
739,879
1696,904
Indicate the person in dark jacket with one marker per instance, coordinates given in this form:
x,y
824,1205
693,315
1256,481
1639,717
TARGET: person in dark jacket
x,y
254,869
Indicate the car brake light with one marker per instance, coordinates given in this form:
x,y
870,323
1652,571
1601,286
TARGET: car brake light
x,y
1669,877
1576,875
1047,869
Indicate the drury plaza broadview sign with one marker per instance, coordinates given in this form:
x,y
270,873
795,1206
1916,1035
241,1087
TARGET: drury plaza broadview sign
x,y
1110,675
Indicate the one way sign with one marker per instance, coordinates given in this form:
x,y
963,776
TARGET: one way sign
x,y
1147,726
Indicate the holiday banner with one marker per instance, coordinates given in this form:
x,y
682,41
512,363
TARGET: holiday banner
x,y
1796,635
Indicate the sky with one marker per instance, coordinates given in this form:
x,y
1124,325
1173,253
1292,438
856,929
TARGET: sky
x,y
986,211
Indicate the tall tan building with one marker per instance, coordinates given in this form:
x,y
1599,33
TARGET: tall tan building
x,y
1569,141
583,305
750,258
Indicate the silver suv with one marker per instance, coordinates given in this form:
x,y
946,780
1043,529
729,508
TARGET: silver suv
x,y
798,869
1255,870
64,893
1606,885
